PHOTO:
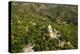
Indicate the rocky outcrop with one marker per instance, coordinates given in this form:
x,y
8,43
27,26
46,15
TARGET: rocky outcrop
x,y
53,33
28,48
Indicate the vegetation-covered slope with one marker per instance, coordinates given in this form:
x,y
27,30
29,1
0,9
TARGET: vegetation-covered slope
x,y
29,22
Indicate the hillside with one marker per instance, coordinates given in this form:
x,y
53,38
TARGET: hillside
x,y
29,23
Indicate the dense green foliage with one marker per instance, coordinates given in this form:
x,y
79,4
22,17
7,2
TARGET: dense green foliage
x,y
29,23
